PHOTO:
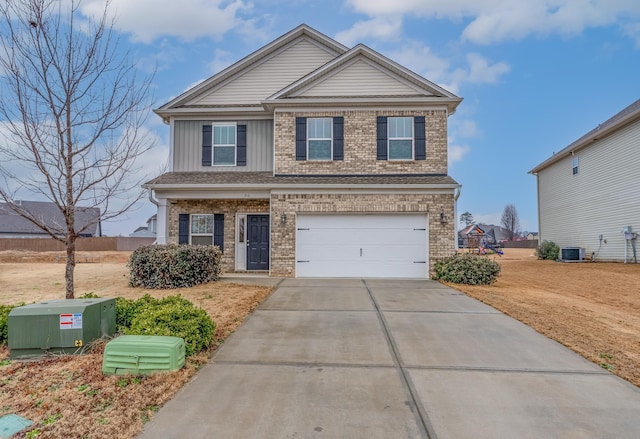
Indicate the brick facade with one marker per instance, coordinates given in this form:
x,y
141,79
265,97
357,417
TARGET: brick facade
x,y
441,235
360,145
227,207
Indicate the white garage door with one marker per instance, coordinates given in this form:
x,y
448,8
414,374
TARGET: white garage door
x,y
362,246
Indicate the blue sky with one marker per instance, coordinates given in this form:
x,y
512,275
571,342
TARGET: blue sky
x,y
535,75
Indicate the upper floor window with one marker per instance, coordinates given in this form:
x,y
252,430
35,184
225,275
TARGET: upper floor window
x,y
574,164
400,138
224,145
319,139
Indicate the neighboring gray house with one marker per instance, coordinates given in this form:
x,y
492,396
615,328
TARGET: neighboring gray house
x,y
589,192
308,158
148,231
13,225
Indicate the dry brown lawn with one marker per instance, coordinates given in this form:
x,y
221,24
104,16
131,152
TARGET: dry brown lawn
x,y
592,308
67,396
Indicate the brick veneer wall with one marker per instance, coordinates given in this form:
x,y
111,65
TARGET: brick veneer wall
x,y
441,236
360,147
229,208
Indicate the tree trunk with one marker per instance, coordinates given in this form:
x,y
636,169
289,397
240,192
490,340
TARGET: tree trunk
x,y
70,267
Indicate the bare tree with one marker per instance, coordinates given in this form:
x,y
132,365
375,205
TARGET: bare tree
x,y
466,218
72,109
510,221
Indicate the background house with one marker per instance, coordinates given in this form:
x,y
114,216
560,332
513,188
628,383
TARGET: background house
x,y
148,230
13,225
589,192
308,158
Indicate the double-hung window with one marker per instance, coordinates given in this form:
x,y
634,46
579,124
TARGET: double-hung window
x,y
400,146
574,165
202,229
224,144
319,139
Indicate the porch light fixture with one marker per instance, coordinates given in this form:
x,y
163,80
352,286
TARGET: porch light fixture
x,y
283,218
443,217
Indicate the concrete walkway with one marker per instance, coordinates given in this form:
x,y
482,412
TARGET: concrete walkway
x,y
394,359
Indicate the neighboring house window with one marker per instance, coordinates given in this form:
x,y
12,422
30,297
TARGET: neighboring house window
x,y
201,229
224,144
574,164
401,138
400,142
319,139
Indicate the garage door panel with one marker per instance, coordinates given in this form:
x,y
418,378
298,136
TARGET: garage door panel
x,y
361,246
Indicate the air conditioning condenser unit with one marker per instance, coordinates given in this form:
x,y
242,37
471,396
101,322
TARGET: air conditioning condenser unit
x,y
572,254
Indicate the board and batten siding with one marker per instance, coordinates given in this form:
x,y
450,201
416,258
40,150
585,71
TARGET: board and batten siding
x,y
360,79
286,66
602,198
187,149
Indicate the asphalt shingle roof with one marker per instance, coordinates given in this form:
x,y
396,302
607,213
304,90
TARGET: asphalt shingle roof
x,y
267,179
12,223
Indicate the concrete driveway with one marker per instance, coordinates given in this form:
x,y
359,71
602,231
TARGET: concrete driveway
x,y
352,358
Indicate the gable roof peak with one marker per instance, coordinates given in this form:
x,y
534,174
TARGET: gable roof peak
x,y
301,31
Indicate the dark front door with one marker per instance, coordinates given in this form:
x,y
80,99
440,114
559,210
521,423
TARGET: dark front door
x,y
258,242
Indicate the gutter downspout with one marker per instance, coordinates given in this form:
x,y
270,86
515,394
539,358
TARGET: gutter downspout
x,y
157,204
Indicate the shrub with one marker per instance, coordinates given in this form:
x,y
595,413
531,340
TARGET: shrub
x,y
127,309
467,268
173,266
174,316
4,322
548,250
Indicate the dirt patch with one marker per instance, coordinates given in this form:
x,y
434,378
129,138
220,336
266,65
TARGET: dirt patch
x,y
67,396
592,308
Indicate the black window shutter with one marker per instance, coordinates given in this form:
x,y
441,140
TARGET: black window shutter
x,y
338,138
301,138
183,228
218,230
381,135
241,146
206,145
420,141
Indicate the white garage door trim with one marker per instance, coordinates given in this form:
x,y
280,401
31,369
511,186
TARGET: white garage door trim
x,y
362,245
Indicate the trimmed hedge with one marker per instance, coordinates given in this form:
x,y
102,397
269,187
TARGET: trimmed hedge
x,y
171,315
467,268
173,266
548,250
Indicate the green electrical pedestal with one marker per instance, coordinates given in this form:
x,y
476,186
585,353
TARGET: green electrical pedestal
x,y
59,326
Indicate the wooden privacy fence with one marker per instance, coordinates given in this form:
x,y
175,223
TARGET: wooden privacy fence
x,y
103,243
529,243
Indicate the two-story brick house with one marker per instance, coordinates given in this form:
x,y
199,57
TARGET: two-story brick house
x,y
310,159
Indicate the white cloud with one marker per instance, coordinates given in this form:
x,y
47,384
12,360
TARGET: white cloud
x,y
477,69
497,20
464,127
221,60
146,20
388,27
457,152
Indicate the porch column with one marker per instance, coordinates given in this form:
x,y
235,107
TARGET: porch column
x,y
163,213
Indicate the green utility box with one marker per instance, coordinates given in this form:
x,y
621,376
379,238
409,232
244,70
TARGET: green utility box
x,y
59,326
143,354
